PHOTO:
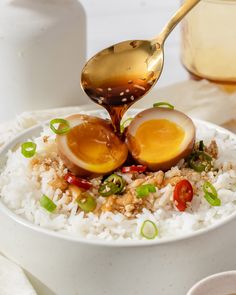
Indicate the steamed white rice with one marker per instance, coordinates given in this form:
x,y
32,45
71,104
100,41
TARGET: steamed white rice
x,y
20,190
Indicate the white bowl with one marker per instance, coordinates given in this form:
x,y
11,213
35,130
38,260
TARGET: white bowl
x,y
223,283
70,266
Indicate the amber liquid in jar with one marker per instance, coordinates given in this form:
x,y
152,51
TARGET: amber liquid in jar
x,y
209,42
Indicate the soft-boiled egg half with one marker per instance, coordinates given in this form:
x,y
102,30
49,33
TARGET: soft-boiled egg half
x,y
159,137
91,146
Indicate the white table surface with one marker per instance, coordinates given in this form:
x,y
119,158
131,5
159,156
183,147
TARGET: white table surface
x,y
112,21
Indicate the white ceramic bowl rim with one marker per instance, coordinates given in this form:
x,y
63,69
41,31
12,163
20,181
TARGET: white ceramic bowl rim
x,y
210,280
114,243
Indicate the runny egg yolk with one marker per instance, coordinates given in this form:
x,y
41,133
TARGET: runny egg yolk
x,y
158,140
94,144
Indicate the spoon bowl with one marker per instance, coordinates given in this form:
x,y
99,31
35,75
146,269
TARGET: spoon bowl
x,y
121,74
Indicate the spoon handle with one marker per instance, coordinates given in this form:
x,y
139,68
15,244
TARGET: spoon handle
x,y
176,18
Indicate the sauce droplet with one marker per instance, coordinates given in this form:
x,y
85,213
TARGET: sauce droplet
x,y
116,96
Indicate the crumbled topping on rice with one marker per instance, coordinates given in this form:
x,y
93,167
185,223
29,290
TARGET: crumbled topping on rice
x,y
127,203
212,149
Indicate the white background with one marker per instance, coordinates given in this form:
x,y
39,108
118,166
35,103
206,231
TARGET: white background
x,y
111,21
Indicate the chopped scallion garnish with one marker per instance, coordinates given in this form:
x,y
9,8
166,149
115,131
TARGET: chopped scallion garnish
x,y
212,200
87,203
149,230
209,188
117,180
163,104
47,203
144,190
108,189
28,149
211,194
200,161
113,184
60,126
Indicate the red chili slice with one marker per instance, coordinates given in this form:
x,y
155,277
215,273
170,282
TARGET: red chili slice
x,y
183,193
82,183
133,168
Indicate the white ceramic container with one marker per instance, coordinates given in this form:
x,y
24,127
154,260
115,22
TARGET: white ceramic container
x,y
42,51
223,283
73,266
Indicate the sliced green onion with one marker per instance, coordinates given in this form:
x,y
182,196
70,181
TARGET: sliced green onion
x,y
149,230
198,167
117,180
151,188
124,124
47,203
201,146
211,194
108,189
163,103
87,203
144,190
28,149
114,184
200,161
62,128
212,200
209,188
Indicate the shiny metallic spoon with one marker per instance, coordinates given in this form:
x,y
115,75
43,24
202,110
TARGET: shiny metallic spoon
x,y
121,74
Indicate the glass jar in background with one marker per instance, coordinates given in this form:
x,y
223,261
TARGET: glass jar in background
x,y
208,47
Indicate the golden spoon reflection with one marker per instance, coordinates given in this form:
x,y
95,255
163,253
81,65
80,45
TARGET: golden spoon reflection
x,y
121,74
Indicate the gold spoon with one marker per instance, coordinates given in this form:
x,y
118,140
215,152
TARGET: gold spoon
x,y
121,74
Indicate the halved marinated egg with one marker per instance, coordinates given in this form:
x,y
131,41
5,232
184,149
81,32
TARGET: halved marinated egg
x,y
160,137
91,146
